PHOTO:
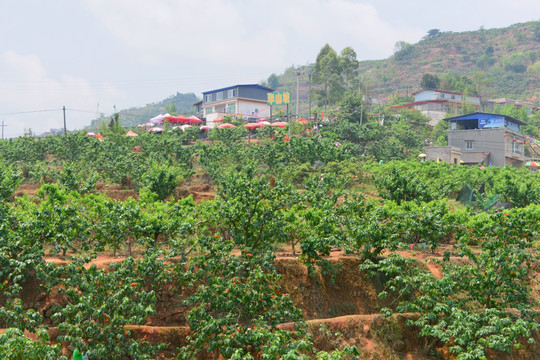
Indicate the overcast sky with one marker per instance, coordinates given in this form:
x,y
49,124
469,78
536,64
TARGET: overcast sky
x,y
93,55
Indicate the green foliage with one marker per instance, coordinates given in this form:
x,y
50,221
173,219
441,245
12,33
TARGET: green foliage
x,y
14,345
429,81
401,183
161,179
516,62
80,181
273,81
403,51
101,303
480,303
236,310
248,208
9,181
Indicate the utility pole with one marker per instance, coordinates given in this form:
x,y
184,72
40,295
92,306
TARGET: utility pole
x,y
3,126
309,94
65,129
297,84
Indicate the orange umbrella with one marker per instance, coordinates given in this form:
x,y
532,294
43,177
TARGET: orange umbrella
x,y
251,126
280,124
302,121
226,126
220,119
131,133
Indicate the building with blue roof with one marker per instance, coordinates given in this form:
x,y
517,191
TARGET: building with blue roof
x,y
248,100
482,138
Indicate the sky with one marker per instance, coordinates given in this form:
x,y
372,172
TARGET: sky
x,y
101,56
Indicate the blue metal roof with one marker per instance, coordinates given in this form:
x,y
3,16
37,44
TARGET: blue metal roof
x,y
236,86
477,115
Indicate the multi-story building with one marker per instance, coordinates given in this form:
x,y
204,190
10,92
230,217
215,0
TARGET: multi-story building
x,y
437,104
244,100
482,138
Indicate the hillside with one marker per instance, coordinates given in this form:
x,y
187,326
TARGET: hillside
x,y
501,62
505,58
183,103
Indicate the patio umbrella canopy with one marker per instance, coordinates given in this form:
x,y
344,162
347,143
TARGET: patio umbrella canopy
x,y
180,119
205,127
158,119
131,133
251,126
302,121
194,120
280,124
531,163
156,130
226,126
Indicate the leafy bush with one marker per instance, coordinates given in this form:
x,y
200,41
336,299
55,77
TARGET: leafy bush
x,y
9,181
161,180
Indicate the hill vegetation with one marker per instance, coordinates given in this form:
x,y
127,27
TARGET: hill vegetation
x,y
306,247
502,62
175,104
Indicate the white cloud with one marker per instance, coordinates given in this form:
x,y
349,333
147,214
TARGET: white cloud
x,y
252,33
25,89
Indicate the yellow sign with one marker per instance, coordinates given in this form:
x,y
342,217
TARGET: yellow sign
x,y
279,97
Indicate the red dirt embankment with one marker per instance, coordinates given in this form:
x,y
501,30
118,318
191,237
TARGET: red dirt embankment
x,y
343,309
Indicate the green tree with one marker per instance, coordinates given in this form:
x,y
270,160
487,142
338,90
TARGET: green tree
x,y
429,81
273,81
327,72
349,66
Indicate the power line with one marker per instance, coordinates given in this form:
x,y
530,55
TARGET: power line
x,y
29,112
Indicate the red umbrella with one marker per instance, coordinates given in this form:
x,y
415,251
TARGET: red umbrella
x,y
302,121
280,124
156,130
226,126
220,119
251,126
205,127
194,120
180,119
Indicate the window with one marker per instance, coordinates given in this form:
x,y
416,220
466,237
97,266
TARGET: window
x,y
515,147
468,144
231,93
209,110
442,96
447,109
208,98
230,108
219,96
453,97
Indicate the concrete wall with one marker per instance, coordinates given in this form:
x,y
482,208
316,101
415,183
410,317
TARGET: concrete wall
x,y
252,93
437,95
254,109
488,140
448,154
